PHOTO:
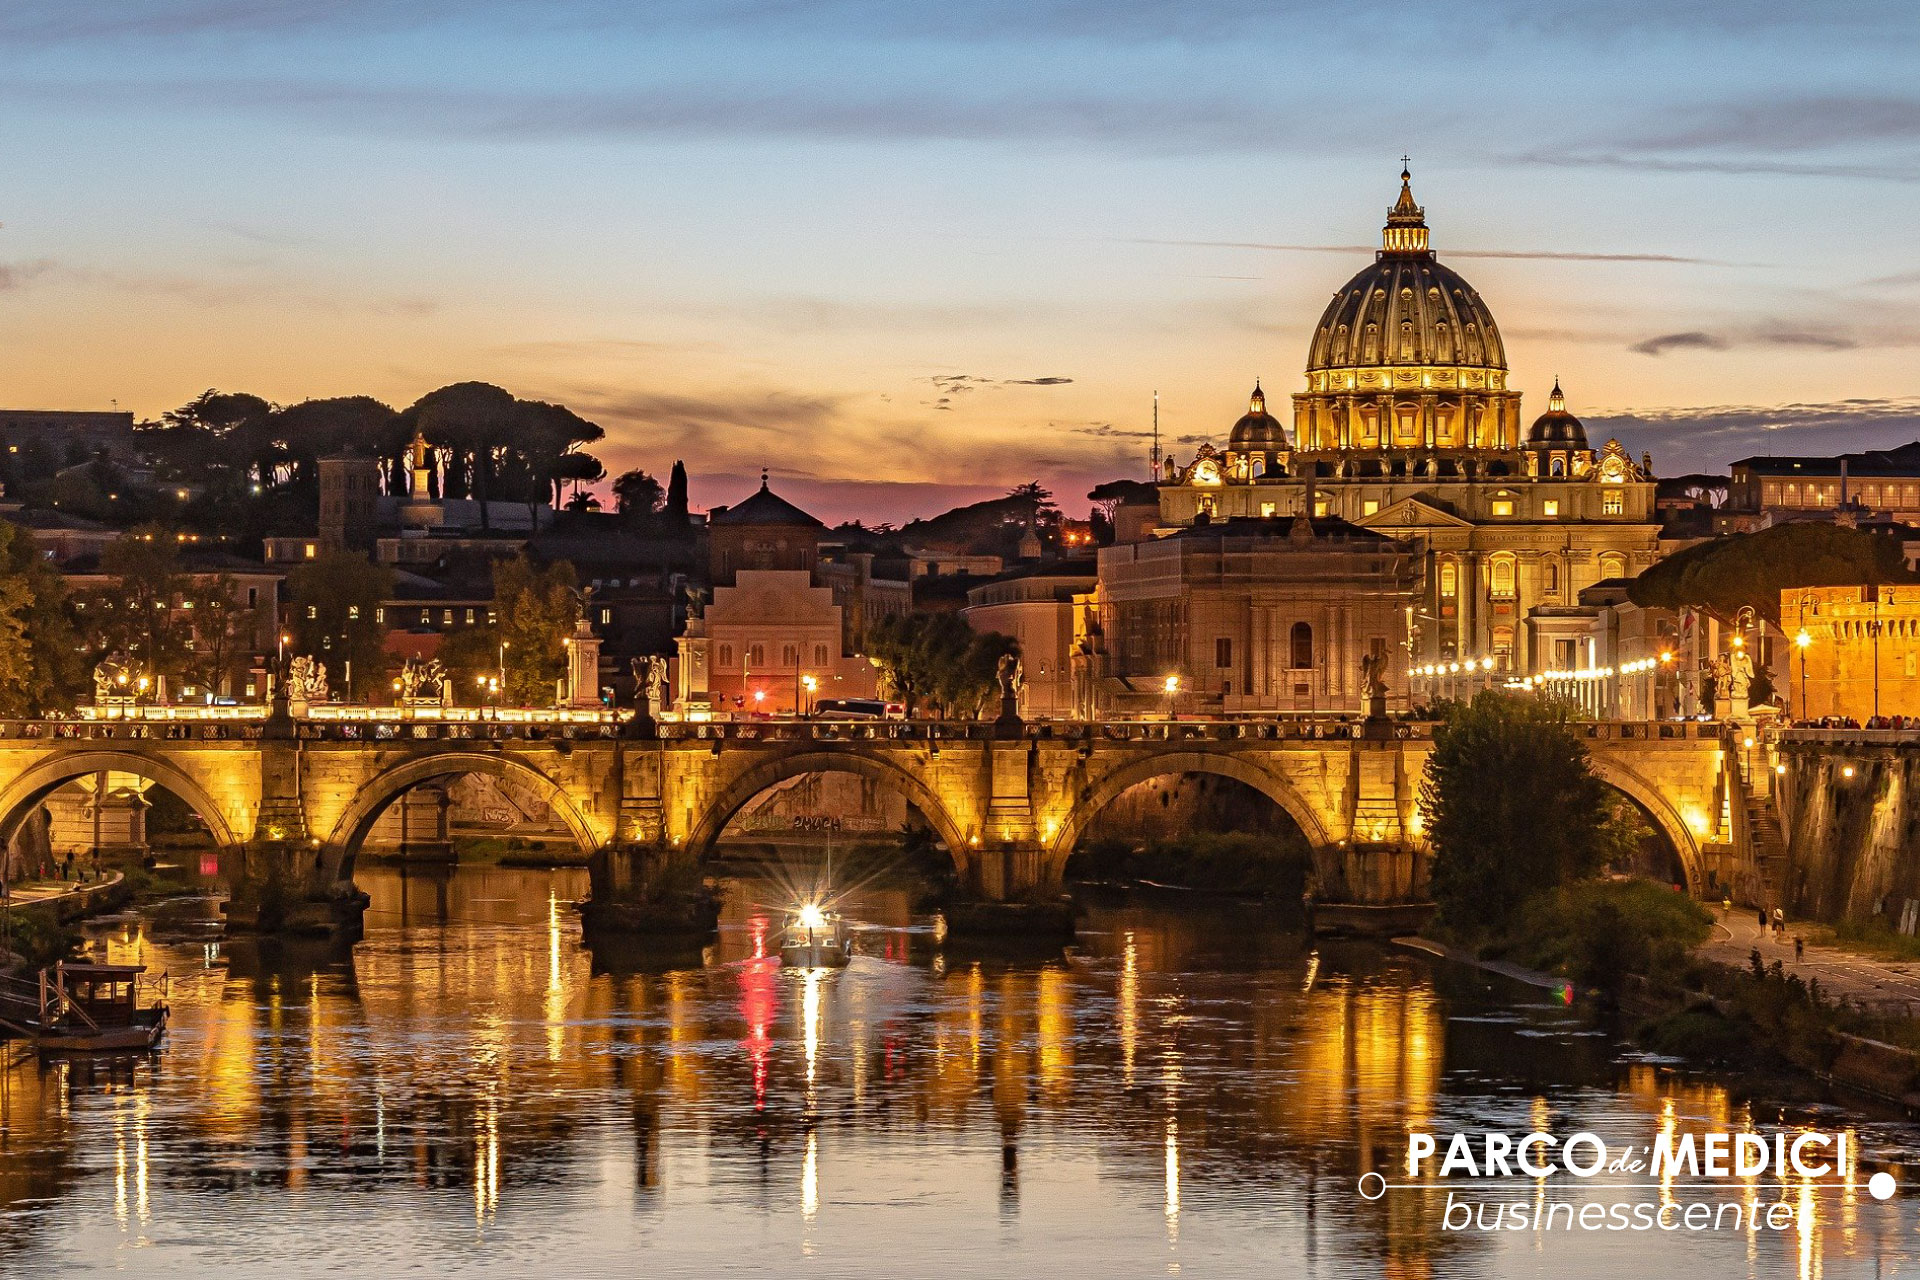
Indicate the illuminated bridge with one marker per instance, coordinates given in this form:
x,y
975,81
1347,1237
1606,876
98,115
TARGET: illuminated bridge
x,y
290,802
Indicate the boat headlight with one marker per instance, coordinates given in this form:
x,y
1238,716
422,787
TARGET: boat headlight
x,y
812,917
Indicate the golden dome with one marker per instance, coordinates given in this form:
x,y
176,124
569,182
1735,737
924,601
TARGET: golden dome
x,y
1257,431
1405,309
1556,428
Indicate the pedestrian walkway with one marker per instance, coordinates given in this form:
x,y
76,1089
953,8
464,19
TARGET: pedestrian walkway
x,y
1840,972
28,893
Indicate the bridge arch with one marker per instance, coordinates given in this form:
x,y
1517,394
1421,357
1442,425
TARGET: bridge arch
x,y
769,773
43,779
381,790
1638,789
1108,787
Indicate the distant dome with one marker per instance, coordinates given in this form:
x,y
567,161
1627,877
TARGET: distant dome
x,y
1405,308
1556,428
1257,431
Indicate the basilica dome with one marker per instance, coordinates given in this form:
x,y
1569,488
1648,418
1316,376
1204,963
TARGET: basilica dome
x,y
1405,309
1556,428
1257,431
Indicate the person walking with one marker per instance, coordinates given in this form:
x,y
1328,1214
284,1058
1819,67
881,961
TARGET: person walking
x,y
1799,948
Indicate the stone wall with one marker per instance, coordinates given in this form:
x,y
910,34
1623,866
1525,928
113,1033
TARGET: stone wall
x,y
1852,819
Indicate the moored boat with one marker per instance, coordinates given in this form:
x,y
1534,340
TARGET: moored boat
x,y
87,1008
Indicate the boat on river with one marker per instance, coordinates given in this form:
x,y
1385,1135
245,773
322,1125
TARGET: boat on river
x,y
815,938
87,1008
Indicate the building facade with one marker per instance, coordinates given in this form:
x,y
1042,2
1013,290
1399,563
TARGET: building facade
x,y
1855,651
769,644
1408,427
1250,617
1037,607
1879,481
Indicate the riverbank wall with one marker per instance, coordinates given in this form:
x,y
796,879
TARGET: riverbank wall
x,y
1850,809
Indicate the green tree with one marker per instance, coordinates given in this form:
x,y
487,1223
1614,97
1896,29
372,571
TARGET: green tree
x,y
335,601
16,649
935,662
135,614
1752,569
637,494
1512,810
223,633
57,675
536,609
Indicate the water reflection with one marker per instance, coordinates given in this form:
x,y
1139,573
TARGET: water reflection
x,y
1188,1091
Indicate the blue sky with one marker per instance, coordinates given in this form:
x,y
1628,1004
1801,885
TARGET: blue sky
x,y
907,254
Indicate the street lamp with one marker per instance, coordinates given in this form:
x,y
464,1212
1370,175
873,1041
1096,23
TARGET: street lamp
x,y
809,684
1172,687
1802,641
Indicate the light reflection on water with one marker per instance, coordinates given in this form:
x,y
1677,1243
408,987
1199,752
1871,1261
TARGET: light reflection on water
x,y
469,1089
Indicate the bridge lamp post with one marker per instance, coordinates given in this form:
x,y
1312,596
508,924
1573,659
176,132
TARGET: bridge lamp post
x,y
1172,687
809,684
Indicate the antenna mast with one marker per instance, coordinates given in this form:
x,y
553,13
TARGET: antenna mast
x,y
1156,437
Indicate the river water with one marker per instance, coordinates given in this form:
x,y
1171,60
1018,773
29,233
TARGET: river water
x,y
1190,1092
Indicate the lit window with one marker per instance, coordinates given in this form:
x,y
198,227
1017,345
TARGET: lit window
x,y
1613,565
1503,506
1502,574
1612,504
1550,507
1320,507
353,612
1370,507
606,617
310,550
469,617
313,611
1267,511
1449,579
380,614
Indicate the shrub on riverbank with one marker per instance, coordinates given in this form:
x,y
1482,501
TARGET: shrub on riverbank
x,y
1760,1015
37,938
1234,862
1599,932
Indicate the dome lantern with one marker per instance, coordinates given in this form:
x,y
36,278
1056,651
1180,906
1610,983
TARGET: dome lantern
x,y
1406,229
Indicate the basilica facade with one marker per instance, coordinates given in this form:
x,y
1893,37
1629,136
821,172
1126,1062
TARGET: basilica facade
x,y
1407,428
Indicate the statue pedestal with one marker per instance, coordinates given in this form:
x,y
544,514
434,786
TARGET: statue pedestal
x,y
582,687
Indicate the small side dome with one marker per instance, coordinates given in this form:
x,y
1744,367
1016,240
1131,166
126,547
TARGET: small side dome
x,y
1556,428
1258,431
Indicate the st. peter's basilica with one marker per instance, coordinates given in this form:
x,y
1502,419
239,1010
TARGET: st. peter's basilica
x,y
1407,428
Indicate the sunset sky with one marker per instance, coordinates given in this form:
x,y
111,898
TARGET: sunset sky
x,y
905,255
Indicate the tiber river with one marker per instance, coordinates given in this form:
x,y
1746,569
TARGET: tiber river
x,y
469,1091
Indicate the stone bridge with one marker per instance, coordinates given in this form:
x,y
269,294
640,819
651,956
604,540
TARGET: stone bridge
x,y
290,804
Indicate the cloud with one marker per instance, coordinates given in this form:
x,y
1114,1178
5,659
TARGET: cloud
x,y
1771,334
953,384
1898,171
19,275
205,292
1788,123
1709,438
1349,250
1692,340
